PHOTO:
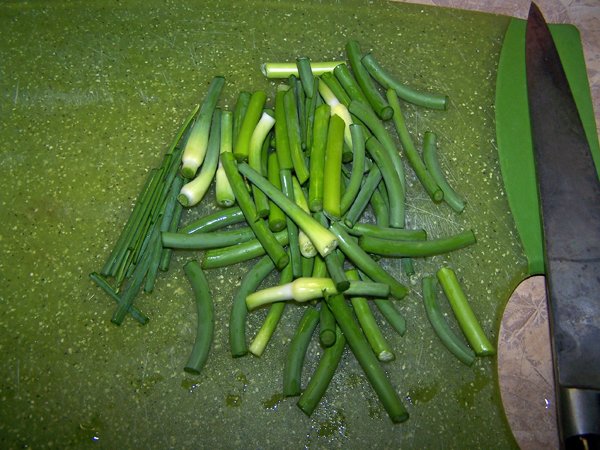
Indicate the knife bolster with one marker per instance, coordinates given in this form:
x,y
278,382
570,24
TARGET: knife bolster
x,y
579,417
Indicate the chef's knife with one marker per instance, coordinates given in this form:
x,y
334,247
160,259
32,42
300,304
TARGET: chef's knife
x,y
569,192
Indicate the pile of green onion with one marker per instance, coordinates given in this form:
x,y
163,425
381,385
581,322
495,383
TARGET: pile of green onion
x,y
293,180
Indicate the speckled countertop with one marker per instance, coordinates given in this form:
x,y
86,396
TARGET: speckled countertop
x,y
524,366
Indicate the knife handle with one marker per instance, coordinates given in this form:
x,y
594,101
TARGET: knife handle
x,y
579,416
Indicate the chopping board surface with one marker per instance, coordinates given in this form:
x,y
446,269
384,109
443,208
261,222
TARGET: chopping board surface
x,y
90,96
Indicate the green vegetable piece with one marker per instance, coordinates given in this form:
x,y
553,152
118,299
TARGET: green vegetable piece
x,y
324,241
194,191
317,157
367,322
368,361
262,338
455,201
434,101
464,314
332,172
285,69
294,136
215,221
365,263
264,235
440,326
206,320
292,374
277,219
197,141
395,248
426,179
224,195
377,102
251,118
327,326
237,318
226,256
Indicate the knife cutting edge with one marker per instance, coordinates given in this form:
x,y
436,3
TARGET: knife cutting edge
x,y
569,192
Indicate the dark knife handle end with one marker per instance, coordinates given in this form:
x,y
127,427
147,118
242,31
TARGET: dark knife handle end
x,y
579,418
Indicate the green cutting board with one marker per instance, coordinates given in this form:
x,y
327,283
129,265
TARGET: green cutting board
x,y
91,93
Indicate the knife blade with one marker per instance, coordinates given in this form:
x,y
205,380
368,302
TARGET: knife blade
x,y
569,192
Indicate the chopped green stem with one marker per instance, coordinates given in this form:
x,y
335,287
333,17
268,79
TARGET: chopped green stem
x,y
294,136
255,157
317,157
392,315
194,191
332,171
368,361
367,322
343,75
377,102
306,75
365,263
428,100
197,142
282,145
380,205
327,326
287,187
251,118
395,248
103,284
319,268
264,235
336,88
453,200
335,268
358,168
368,117
396,234
307,249
307,266
237,319
245,251
206,320
223,192
464,314
204,241
452,342
167,253
241,106
311,106
426,179
327,95
292,374
134,283
262,338
215,221
392,181
306,289
324,241
320,379
285,69
364,196
277,219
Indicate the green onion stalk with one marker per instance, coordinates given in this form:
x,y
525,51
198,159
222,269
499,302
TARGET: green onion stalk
x,y
324,240
197,142
306,289
255,158
223,192
285,69
194,191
